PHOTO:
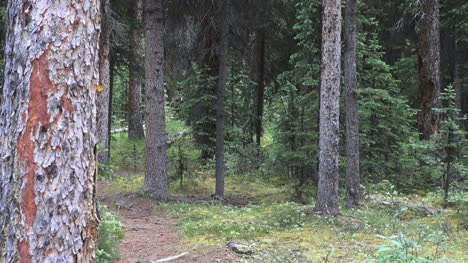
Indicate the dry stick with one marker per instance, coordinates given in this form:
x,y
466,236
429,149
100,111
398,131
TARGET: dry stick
x,y
172,258
164,259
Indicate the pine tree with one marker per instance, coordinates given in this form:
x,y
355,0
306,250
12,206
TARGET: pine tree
x,y
327,195
48,132
156,183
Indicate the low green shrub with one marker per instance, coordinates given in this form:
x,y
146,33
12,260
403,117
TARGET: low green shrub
x,y
110,234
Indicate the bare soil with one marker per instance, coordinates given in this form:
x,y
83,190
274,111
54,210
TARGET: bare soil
x,y
150,235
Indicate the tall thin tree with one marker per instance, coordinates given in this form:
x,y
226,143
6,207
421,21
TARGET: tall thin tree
x,y
327,195
259,69
48,132
353,192
221,92
135,121
156,184
429,68
103,105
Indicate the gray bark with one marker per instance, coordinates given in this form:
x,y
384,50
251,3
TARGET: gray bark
x,y
103,105
156,184
135,121
48,141
429,69
327,196
222,78
353,193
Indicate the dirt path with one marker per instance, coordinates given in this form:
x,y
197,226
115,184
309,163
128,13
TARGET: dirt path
x,y
150,235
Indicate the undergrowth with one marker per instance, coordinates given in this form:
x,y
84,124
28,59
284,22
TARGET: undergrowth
x,y
281,231
257,211
110,234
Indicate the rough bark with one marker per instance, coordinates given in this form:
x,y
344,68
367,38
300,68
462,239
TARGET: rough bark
x,y
222,78
48,123
156,184
327,196
103,106
135,121
353,193
429,69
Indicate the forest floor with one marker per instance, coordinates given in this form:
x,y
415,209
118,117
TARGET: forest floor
x,y
151,235
257,213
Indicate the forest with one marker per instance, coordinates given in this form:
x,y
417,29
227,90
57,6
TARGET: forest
x,y
143,131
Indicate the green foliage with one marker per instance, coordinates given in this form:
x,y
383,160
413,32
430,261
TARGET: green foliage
x,y
196,104
184,159
120,97
229,222
451,142
106,172
126,153
294,107
110,234
402,249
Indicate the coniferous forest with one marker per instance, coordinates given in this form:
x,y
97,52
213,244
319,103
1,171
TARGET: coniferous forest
x,y
233,131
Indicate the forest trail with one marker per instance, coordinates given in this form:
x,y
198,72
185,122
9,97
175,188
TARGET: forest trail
x,y
150,235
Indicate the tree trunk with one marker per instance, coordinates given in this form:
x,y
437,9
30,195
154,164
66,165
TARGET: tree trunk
x,y
104,90
222,78
457,77
156,184
135,122
259,71
259,60
111,90
429,69
2,45
48,141
353,193
327,196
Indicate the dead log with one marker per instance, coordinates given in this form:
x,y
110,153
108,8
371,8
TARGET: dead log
x,y
423,209
171,138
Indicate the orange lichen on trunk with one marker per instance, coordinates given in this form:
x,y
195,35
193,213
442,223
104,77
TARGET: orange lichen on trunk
x,y
37,118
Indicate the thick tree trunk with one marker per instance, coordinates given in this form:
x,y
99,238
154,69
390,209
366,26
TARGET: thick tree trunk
x,y
222,78
327,196
103,106
156,184
429,69
135,121
2,45
353,193
48,141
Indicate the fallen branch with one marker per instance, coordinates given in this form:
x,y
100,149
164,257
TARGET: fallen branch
x,y
170,138
172,258
421,208
119,130
164,259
